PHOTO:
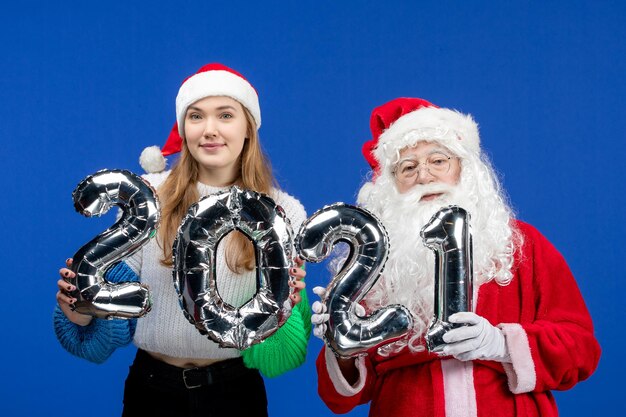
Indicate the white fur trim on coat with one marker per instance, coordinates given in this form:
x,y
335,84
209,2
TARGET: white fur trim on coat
x,y
458,388
520,372
339,382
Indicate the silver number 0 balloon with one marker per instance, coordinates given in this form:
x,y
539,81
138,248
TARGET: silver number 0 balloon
x,y
194,251
347,334
94,196
448,235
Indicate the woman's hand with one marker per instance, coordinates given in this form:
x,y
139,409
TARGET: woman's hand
x,y
298,284
65,300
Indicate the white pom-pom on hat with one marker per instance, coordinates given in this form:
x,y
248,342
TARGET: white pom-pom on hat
x,y
151,160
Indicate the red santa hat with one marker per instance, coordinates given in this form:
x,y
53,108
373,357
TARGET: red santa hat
x,y
406,121
210,80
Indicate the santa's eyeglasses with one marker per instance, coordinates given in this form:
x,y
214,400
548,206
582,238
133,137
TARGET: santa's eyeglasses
x,y
436,164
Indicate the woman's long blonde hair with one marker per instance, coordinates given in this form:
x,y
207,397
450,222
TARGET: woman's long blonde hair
x,y
179,191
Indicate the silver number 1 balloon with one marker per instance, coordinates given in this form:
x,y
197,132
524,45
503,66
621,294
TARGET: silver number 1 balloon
x,y
195,248
448,235
94,196
347,334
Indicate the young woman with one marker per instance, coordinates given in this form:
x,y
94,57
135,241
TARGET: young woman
x,y
177,371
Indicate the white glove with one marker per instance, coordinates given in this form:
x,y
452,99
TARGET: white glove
x,y
479,340
320,315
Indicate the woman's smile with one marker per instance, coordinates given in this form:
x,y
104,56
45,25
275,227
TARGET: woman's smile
x,y
212,146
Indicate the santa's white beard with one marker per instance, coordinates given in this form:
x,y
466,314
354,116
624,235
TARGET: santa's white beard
x,y
408,278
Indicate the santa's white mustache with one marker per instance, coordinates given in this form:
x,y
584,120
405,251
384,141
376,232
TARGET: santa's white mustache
x,y
418,191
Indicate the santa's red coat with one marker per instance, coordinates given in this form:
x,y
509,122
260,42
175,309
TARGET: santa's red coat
x,y
548,332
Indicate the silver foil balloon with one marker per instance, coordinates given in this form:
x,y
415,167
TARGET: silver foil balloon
x,y
207,222
347,334
448,234
94,196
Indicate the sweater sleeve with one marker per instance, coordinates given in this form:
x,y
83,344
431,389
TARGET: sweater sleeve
x,y
558,348
99,339
285,349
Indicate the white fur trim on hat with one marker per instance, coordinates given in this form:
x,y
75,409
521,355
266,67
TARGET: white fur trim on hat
x,y
151,159
454,130
216,83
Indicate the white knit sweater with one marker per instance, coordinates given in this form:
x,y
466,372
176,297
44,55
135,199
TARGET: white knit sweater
x,y
165,329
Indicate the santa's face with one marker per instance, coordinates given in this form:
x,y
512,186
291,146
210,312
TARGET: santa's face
x,y
426,163
404,207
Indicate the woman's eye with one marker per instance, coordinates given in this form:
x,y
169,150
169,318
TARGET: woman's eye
x,y
194,116
226,116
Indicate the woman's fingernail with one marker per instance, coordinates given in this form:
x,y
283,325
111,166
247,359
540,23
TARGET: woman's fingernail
x,y
66,274
68,260
294,270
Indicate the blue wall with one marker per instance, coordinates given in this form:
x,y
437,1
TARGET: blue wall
x,y
86,87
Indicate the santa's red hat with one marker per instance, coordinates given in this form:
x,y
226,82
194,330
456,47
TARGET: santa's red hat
x,y
210,80
406,121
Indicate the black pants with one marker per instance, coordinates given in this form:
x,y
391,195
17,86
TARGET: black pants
x,y
227,388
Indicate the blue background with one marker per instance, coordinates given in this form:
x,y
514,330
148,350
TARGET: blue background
x,y
88,86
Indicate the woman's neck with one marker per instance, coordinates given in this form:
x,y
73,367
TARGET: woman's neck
x,y
217,178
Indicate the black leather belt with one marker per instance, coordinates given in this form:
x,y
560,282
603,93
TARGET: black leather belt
x,y
190,378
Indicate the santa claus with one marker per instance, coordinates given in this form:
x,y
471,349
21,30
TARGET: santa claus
x,y
530,332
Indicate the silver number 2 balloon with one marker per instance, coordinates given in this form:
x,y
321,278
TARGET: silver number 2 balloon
x,y
448,235
94,196
194,251
347,334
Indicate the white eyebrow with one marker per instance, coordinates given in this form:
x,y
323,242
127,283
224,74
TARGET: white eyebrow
x,y
432,151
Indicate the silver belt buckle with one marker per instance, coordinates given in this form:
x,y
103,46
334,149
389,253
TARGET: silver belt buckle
x,y
185,379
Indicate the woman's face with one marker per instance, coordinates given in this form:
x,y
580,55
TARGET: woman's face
x,y
215,132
